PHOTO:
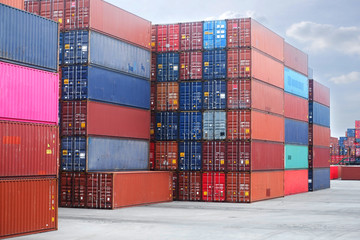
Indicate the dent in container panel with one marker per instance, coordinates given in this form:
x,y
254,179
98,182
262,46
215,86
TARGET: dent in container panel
x,y
190,65
167,67
191,36
214,64
213,186
300,112
190,126
166,126
166,155
296,83
190,156
190,96
214,34
214,156
214,95
239,32
214,125
168,37
167,96
189,186
295,59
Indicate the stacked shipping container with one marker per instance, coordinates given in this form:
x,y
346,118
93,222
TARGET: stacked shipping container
x,y
319,136
28,123
105,100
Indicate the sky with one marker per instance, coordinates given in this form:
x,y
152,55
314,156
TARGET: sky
x,y
328,31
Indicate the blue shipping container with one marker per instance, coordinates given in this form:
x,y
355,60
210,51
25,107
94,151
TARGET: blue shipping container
x,y
319,178
89,47
28,39
214,64
167,67
73,154
319,114
190,156
214,95
296,83
190,126
350,132
296,132
341,140
190,96
82,82
166,126
214,125
214,34
61,48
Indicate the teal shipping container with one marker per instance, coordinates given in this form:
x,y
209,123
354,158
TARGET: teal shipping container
x,y
296,156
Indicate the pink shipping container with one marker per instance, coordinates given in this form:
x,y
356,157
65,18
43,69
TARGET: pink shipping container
x,y
295,59
28,94
357,124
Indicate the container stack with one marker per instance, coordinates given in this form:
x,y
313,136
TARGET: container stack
x,y
319,136
296,120
209,125
334,150
28,123
105,105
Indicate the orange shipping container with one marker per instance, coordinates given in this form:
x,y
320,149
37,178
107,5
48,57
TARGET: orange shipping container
x,y
14,3
295,59
167,97
28,205
166,155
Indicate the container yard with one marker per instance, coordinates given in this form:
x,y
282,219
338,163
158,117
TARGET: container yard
x,y
103,109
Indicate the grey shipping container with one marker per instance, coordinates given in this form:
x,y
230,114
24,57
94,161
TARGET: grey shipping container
x,y
28,39
214,125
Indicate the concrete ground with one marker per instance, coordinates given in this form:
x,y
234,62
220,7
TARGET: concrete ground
x,y
327,214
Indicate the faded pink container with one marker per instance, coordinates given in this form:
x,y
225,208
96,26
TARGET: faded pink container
x,y
28,94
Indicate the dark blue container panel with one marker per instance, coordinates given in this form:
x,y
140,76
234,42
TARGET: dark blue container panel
x,y
166,126
296,83
28,39
351,132
319,114
190,96
214,34
320,179
76,47
341,140
190,155
73,154
214,95
61,48
74,82
167,67
214,64
112,154
190,126
296,132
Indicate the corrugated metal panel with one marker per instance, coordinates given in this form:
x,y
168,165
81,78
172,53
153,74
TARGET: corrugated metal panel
x,y
296,156
152,156
153,38
166,126
82,82
239,63
214,125
300,112
350,132
319,114
214,34
350,173
167,67
191,96
214,95
53,10
190,156
239,94
266,97
191,65
319,178
166,155
28,149
152,97
168,37
320,156
296,132
72,189
28,94
213,186
191,36
214,156
238,187
28,205
14,3
167,96
61,48
189,186
295,59
295,181
73,154
214,63
238,32
190,126
40,50
296,83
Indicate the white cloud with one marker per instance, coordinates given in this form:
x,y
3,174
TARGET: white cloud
x,y
326,37
232,14
346,78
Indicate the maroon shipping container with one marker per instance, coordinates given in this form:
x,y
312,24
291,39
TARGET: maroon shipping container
x,y
213,186
14,3
27,206
296,107
213,156
152,156
320,156
167,96
153,97
166,155
254,156
191,36
246,94
175,185
319,135
350,173
295,59
190,65
152,126
153,38
101,119
72,189
124,189
28,149
153,69
189,186
319,93
65,192
246,32
168,37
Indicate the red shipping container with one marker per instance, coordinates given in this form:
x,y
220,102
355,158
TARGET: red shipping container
x,y
238,187
14,3
245,94
189,186
152,126
167,96
334,172
190,65
296,107
350,173
334,142
152,97
319,135
319,157
295,181
28,149
124,189
27,206
357,152
357,124
295,59
254,156
319,93
72,189
239,32
213,186
53,10
166,155
333,159
239,63
357,133
168,37
153,68
213,156
250,124
153,40
101,119
191,36
65,193
152,156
